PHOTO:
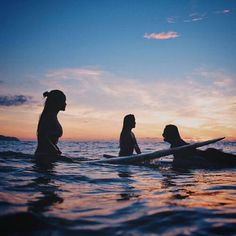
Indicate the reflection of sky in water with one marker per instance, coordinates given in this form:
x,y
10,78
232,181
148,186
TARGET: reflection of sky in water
x,y
93,149
141,199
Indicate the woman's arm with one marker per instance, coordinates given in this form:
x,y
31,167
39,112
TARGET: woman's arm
x,y
54,147
45,145
136,147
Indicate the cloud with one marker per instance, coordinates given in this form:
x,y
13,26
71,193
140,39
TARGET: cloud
x,y
110,93
162,35
75,81
193,17
74,73
171,19
16,100
201,99
224,12
219,78
196,16
202,103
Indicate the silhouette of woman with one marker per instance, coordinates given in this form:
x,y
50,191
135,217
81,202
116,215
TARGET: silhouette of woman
x,y
128,141
49,129
210,157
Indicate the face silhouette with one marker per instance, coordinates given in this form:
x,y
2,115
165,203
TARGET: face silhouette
x,y
164,135
167,136
171,134
133,123
61,103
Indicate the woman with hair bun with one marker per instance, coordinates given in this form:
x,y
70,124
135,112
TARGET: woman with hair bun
x,y
49,129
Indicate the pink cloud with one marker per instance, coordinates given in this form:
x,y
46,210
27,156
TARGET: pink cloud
x,y
162,35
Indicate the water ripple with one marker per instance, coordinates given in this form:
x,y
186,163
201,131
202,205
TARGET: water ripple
x,y
78,198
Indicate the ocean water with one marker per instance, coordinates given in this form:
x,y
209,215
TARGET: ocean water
x,y
102,199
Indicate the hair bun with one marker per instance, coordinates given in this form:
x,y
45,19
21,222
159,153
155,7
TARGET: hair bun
x,y
45,94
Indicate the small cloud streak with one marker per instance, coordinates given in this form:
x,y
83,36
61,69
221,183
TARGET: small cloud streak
x,y
224,12
74,73
16,100
193,17
162,35
219,78
171,20
197,16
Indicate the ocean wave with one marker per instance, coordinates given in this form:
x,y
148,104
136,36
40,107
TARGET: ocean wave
x,y
14,154
76,198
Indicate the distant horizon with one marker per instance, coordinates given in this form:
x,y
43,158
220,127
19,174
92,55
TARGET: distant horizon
x,y
142,139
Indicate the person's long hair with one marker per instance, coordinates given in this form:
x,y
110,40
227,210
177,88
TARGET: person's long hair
x,y
128,122
172,132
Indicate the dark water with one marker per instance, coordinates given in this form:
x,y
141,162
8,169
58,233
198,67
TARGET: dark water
x,y
87,199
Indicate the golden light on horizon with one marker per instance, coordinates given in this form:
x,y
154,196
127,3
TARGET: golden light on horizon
x,y
95,109
101,129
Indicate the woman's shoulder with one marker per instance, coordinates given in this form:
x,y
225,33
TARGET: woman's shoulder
x,y
125,133
178,143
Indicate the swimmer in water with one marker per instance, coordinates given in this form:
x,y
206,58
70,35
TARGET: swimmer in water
x,y
49,129
128,141
195,158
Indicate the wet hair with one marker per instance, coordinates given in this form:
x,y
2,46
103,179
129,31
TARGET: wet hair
x,y
172,132
53,100
128,121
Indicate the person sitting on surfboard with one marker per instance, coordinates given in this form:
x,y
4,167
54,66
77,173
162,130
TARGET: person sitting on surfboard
x,y
128,141
49,129
210,157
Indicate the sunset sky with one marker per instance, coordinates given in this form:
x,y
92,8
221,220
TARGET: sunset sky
x,y
164,61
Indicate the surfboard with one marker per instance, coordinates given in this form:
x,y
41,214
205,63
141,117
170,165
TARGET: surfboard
x,y
153,155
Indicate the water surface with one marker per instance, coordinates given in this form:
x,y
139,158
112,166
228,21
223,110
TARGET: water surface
x,y
78,198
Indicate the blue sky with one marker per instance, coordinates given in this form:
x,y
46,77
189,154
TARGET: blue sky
x,y
118,57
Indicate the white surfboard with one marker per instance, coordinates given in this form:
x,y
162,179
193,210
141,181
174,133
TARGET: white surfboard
x,y
153,155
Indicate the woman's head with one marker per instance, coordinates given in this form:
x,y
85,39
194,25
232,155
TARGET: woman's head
x,y
55,101
171,133
129,122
